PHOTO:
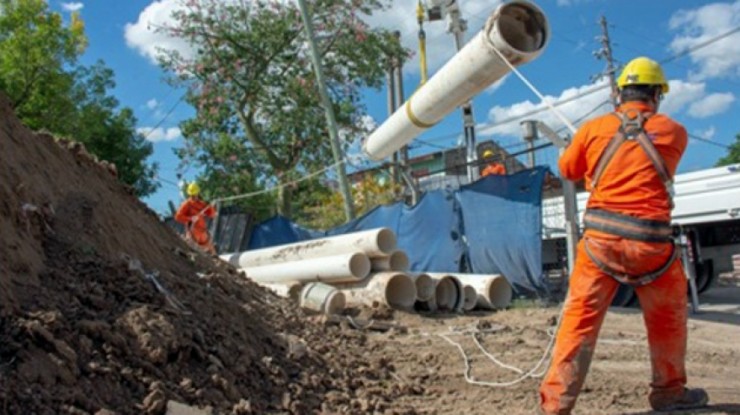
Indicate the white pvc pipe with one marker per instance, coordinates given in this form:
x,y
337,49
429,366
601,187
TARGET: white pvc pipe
x,y
375,243
317,296
494,291
393,289
425,286
338,268
448,292
396,261
470,297
518,29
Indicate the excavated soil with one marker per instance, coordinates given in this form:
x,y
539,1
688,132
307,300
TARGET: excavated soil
x,y
103,309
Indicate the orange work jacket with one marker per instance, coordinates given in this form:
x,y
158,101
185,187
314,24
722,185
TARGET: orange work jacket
x,y
493,168
630,184
192,214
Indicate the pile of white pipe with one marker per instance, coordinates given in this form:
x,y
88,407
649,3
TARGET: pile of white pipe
x,y
327,274
365,269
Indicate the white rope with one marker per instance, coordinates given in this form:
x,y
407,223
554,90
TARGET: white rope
x,y
539,369
549,105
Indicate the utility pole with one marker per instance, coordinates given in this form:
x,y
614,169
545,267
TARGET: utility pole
x,y
329,112
606,53
400,99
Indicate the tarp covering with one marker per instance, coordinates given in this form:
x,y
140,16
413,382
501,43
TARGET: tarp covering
x,y
491,226
503,227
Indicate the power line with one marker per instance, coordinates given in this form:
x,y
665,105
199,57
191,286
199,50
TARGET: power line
x,y
167,115
708,141
700,45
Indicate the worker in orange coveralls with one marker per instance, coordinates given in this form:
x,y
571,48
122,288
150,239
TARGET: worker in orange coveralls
x,y
192,214
628,159
493,167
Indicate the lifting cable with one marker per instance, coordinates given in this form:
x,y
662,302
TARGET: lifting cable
x,y
422,43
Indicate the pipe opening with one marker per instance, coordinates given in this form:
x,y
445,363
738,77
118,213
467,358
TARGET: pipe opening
x,y
400,292
500,293
386,241
446,294
335,303
398,261
359,265
523,26
425,287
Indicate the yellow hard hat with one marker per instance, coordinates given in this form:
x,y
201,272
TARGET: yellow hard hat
x,y
193,189
488,153
643,71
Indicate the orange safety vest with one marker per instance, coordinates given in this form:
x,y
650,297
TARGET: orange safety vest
x,y
631,146
192,214
493,169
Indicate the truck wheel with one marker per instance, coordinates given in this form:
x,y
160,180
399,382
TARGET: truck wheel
x,y
625,296
704,275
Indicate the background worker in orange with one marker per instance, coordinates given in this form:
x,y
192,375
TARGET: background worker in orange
x,y
193,213
493,167
627,221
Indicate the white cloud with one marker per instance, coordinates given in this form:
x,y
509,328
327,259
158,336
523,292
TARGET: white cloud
x,y
711,105
152,104
571,110
681,94
707,134
72,7
691,95
695,26
144,37
566,3
159,134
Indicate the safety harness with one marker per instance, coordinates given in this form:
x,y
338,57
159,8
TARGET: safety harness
x,y
631,128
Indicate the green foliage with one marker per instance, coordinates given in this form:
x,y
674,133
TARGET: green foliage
x,y
733,153
325,210
252,84
48,90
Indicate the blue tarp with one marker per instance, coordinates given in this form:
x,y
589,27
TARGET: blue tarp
x,y
491,226
503,227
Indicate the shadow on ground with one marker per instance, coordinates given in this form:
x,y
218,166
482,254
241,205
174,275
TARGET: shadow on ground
x,y
715,409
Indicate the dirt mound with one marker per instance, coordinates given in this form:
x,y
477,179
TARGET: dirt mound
x,y
103,308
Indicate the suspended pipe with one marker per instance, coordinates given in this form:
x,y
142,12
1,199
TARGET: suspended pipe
x,y
425,286
518,29
350,267
323,298
470,298
392,289
396,261
494,291
448,292
375,243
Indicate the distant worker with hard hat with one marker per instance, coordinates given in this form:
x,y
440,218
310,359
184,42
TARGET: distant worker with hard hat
x,y
628,159
494,166
193,213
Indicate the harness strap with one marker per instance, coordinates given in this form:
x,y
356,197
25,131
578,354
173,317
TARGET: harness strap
x,y
633,280
633,129
628,226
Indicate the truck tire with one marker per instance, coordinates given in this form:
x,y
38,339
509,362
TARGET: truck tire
x,y
705,275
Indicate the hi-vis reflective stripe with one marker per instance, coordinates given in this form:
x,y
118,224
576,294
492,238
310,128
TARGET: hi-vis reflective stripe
x,y
412,117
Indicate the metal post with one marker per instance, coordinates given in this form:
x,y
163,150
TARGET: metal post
x,y
391,81
329,112
529,133
688,266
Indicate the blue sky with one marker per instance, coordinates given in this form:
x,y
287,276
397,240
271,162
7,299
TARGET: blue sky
x,y
705,83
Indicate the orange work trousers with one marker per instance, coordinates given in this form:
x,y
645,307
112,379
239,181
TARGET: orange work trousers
x,y
664,308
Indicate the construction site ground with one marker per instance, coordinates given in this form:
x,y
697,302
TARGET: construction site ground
x,y
619,376
105,310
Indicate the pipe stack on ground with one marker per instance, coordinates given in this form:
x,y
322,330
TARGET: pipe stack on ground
x,y
359,268
494,291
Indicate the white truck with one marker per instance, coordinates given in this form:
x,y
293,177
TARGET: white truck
x,y
707,207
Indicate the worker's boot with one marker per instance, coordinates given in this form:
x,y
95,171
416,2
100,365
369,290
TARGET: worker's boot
x,y
690,399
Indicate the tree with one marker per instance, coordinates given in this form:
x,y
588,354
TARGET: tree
x,y
733,153
49,90
252,85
